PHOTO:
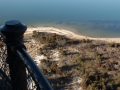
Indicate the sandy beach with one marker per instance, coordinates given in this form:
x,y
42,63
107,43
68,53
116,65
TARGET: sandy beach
x,y
68,33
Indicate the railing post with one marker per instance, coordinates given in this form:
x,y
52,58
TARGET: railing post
x,y
13,31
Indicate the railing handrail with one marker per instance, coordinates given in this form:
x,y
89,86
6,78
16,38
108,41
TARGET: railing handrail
x,y
20,63
40,79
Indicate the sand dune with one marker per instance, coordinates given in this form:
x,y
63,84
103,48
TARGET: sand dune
x,y
69,34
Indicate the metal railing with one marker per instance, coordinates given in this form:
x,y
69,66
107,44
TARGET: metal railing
x,y
17,69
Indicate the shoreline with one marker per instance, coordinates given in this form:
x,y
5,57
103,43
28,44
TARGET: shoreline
x,y
69,34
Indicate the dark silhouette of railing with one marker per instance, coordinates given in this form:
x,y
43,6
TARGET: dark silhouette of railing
x,y
17,69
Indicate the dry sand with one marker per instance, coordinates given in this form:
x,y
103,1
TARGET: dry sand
x,y
68,34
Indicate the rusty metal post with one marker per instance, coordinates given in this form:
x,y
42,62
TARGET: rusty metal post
x,y
13,32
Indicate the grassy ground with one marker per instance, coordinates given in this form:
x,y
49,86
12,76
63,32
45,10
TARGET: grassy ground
x,y
72,64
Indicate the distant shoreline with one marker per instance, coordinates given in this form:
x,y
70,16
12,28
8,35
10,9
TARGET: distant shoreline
x,y
68,34
97,29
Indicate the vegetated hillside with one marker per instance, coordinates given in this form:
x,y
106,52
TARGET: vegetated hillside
x,y
72,64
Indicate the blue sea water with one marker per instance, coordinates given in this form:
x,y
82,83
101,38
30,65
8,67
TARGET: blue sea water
x,y
96,18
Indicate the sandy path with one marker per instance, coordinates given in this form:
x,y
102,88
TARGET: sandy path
x,y
69,34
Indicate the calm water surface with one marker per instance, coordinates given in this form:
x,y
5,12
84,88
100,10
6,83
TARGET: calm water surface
x,y
96,18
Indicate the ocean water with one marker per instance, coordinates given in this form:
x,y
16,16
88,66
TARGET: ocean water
x,y
95,18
